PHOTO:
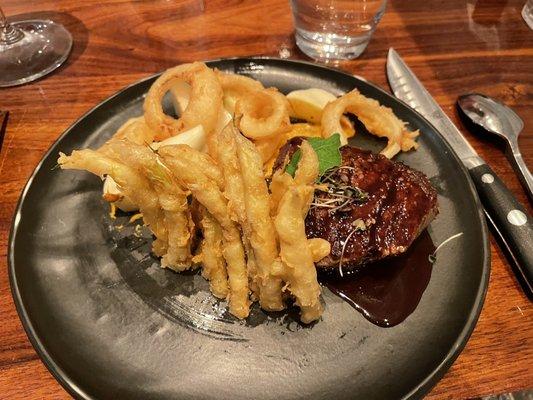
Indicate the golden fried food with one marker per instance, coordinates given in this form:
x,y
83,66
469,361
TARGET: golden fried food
x,y
320,248
379,121
296,255
263,235
209,167
214,266
306,174
307,171
228,162
204,107
201,177
262,114
207,192
278,186
268,148
136,131
172,199
134,185
235,86
234,191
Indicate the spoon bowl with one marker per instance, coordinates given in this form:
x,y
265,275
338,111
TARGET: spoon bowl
x,y
491,115
496,118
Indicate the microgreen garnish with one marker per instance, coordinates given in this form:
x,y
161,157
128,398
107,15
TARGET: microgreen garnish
x,y
334,193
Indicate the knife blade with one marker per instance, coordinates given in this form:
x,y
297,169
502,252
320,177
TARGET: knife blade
x,y
510,219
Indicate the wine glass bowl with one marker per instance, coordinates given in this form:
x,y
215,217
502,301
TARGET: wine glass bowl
x,y
31,49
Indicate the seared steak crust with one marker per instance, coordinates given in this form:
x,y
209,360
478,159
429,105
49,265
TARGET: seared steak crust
x,y
401,203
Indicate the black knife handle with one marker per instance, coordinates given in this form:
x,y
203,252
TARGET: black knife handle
x,y
511,220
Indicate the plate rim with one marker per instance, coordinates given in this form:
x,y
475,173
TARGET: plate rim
x,y
419,391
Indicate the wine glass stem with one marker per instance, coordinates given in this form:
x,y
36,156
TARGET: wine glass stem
x,y
8,33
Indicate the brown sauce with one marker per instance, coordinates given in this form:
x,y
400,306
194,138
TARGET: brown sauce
x,y
388,291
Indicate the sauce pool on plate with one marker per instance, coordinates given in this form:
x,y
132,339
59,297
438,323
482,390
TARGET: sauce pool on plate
x,y
388,291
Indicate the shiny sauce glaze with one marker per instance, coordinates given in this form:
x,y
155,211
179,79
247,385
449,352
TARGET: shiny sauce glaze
x,y
388,291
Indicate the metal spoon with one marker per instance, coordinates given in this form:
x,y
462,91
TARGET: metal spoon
x,y
499,119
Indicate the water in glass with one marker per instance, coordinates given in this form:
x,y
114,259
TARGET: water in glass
x,y
335,29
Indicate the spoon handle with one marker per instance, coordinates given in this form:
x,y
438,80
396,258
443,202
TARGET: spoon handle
x,y
521,170
511,221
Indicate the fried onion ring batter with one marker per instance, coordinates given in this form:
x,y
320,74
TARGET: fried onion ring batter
x,y
262,114
378,119
204,106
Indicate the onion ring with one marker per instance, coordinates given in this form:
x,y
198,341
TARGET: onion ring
x,y
234,86
262,114
204,106
379,121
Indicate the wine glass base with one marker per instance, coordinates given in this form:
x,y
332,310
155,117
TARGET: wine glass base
x,y
45,45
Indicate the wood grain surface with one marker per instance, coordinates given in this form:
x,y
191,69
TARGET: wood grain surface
x,y
454,46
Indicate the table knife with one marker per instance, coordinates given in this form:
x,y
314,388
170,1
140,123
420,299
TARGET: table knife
x,y
510,219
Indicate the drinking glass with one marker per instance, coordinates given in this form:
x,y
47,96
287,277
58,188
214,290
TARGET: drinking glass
x,y
30,49
335,29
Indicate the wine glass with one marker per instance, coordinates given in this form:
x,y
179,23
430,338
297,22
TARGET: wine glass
x,y
30,49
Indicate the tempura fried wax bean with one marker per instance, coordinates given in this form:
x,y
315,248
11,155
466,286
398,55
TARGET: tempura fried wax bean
x,y
214,266
299,272
132,183
319,247
209,167
172,199
262,232
307,171
206,191
228,162
306,174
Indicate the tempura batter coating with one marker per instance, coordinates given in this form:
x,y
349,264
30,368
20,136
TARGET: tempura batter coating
x,y
204,106
131,182
172,199
379,121
209,195
262,233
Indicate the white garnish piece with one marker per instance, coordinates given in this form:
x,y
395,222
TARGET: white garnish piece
x,y
194,137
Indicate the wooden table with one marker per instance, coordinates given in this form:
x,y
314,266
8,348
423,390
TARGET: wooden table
x,y
453,46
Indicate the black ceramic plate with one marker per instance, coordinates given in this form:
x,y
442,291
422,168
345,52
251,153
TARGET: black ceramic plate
x,y
110,323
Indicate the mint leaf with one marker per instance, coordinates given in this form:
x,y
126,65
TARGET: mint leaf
x,y
327,150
